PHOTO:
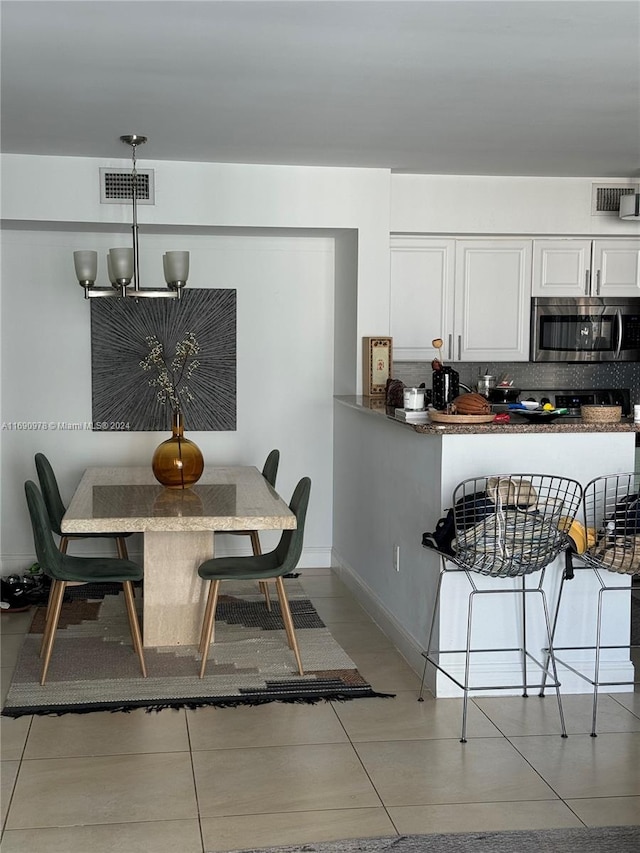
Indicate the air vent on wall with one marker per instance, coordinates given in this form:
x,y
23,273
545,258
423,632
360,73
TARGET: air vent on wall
x,y
115,186
605,198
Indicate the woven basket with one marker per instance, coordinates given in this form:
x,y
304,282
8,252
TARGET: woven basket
x,y
601,414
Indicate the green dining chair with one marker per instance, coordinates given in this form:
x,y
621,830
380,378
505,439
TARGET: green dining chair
x,y
261,567
56,510
65,569
269,472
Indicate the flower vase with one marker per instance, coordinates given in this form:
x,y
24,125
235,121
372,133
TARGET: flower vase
x,y
177,463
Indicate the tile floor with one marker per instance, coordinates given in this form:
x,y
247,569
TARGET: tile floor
x,y
224,779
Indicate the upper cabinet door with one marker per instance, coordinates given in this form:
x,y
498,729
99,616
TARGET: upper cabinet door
x,y
561,268
492,300
617,268
421,301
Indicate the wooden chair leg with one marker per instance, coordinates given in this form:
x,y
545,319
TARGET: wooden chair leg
x,y
47,616
64,542
207,624
205,620
257,550
134,625
54,616
288,622
121,545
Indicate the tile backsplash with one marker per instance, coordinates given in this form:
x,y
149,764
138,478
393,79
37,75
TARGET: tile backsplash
x,y
527,375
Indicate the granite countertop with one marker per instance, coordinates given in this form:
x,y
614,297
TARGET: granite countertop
x,y
375,406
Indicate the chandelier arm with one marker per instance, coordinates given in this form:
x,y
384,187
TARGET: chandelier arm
x,y
134,226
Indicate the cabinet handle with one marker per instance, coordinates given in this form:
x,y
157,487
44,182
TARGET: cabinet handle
x,y
449,353
597,282
459,347
587,282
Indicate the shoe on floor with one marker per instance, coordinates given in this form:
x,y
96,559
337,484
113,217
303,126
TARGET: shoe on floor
x,y
15,595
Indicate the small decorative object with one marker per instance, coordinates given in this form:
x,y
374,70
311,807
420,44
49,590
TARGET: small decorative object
x,y
601,414
177,463
446,386
437,363
471,404
377,365
414,399
394,395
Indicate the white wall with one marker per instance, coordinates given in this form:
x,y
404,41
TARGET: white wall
x,y
476,204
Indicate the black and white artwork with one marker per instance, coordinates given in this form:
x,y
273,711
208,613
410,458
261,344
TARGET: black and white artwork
x,y
150,355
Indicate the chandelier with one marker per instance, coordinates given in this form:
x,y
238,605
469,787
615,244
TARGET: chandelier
x,y
123,264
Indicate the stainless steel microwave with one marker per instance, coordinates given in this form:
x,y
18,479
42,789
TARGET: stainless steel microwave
x,y
588,329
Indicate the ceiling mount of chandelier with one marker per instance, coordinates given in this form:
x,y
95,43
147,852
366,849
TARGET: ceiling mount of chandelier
x,y
123,264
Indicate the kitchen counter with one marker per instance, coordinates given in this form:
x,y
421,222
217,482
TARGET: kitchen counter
x,y
517,425
392,483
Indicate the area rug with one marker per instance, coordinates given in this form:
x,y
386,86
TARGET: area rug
x,y
609,839
94,667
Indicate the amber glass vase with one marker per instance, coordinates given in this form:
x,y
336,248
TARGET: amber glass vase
x,y
177,463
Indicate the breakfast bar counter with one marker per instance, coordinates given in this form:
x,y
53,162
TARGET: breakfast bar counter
x,y
394,480
563,424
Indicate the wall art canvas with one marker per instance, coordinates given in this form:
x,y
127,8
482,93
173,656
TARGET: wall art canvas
x,y
125,396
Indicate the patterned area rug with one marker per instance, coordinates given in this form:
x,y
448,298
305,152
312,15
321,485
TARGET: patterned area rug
x,y
94,667
609,839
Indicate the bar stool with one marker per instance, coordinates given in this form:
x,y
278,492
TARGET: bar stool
x,y
608,546
504,526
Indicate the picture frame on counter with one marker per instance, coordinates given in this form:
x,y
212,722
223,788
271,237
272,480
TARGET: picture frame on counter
x,y
377,365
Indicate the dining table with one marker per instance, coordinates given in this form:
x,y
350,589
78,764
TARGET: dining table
x,y
178,527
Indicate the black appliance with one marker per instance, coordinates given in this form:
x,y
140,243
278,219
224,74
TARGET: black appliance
x,y
587,329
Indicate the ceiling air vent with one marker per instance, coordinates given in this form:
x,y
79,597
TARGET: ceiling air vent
x,y
605,198
115,186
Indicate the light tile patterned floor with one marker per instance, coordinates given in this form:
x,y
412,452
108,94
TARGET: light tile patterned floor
x,y
230,778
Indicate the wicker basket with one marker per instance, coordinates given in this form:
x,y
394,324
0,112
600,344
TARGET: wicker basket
x,y
601,414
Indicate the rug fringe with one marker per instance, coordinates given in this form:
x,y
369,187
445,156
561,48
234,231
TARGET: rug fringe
x,y
191,704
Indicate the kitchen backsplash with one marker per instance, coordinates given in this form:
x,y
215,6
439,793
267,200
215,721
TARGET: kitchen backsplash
x,y
534,376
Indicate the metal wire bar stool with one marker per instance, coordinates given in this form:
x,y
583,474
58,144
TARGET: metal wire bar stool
x,y
607,545
505,526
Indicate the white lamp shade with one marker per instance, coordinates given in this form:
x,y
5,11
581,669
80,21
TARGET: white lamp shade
x,y
176,266
121,263
110,272
630,206
86,264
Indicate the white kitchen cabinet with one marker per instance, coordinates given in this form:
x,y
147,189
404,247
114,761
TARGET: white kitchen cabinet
x,y
492,300
581,267
474,294
617,268
422,287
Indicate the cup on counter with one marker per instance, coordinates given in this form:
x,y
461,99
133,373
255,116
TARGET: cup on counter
x,y
636,414
414,399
